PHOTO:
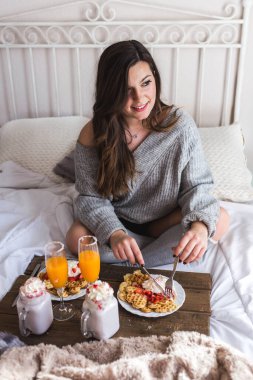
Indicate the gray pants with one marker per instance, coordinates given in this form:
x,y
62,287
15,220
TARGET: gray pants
x,y
155,251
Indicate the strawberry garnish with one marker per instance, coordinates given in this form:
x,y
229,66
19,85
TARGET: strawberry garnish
x,y
152,297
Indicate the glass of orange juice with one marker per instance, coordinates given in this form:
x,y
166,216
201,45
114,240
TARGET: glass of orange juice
x,y
89,259
57,271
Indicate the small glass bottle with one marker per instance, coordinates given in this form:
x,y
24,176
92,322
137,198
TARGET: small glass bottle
x,y
100,317
34,308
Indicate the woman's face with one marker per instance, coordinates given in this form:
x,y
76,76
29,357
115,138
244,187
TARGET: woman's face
x,y
141,93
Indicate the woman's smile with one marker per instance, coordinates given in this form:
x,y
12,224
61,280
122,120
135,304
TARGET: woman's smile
x,y
140,108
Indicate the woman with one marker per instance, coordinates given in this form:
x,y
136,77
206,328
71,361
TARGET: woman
x,y
140,169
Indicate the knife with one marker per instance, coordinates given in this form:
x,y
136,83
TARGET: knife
x,y
156,282
35,271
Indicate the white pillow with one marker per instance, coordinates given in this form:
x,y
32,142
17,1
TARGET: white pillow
x,y
39,144
224,151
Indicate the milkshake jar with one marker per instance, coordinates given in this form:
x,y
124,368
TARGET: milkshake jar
x,y
100,317
34,308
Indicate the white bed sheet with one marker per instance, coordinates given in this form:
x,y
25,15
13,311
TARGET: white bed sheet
x,y
35,210
230,264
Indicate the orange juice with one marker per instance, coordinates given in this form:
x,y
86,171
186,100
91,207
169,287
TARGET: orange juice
x,y
89,262
57,270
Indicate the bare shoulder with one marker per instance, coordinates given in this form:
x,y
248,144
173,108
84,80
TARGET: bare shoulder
x,y
86,136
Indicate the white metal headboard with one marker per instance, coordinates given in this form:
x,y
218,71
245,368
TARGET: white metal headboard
x,y
48,57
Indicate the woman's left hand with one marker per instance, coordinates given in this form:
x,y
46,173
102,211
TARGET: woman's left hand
x,y
193,244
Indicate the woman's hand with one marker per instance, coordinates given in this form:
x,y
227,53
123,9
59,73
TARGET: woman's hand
x,y
124,247
193,244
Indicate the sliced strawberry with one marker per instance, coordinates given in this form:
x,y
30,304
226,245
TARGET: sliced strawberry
x,y
139,291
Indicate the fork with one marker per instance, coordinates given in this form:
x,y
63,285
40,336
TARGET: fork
x,y
169,283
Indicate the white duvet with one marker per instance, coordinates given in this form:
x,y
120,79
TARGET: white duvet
x,y
34,210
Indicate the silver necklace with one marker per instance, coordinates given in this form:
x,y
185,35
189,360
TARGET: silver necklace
x,y
134,136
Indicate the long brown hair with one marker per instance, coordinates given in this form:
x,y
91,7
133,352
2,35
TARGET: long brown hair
x,y
116,161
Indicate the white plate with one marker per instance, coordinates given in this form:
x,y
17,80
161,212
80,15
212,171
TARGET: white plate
x,y
180,298
69,298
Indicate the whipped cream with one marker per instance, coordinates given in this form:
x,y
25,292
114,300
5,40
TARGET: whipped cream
x,y
150,284
32,288
73,269
99,294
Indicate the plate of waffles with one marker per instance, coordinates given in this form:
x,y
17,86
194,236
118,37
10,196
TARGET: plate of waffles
x,y
75,287
136,296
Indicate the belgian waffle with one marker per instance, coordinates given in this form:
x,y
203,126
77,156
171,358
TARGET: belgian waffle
x,y
132,292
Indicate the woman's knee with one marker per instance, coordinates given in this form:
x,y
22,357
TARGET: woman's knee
x,y
76,230
222,224
225,219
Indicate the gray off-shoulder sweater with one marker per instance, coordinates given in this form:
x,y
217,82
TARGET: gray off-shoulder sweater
x,y
171,171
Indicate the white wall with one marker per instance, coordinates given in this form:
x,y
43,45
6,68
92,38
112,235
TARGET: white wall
x,y
17,6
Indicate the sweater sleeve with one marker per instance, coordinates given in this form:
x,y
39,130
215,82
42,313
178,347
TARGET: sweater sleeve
x,y
93,210
195,198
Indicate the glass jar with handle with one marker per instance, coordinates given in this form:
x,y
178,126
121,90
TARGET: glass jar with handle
x,y
34,308
100,317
